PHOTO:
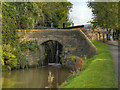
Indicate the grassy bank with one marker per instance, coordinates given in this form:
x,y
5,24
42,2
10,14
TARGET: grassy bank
x,y
99,71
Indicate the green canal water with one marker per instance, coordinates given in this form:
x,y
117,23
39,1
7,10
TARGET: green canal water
x,y
34,77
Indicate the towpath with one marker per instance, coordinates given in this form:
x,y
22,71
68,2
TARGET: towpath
x,y
114,47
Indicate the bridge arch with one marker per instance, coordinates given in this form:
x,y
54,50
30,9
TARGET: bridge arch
x,y
43,40
53,50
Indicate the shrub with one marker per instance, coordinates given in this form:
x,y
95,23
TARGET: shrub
x,y
9,60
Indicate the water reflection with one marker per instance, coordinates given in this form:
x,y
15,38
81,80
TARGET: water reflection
x,y
34,77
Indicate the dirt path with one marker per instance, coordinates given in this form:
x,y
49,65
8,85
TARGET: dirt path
x,y
113,46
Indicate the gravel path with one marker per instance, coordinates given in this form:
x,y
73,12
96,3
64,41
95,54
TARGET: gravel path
x,y
113,46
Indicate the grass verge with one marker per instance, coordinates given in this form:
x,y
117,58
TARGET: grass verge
x,y
98,72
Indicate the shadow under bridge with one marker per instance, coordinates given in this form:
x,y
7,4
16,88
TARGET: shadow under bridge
x,y
52,50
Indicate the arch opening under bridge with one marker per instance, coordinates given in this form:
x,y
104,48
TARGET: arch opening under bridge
x,y
53,50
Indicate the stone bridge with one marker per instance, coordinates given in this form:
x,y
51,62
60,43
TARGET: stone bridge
x,y
72,40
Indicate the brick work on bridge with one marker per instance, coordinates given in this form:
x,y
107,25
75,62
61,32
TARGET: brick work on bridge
x,y
95,35
74,41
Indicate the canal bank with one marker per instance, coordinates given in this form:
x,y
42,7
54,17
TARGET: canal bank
x,y
99,71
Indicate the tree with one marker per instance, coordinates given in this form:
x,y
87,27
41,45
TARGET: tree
x,y
105,14
56,13
26,15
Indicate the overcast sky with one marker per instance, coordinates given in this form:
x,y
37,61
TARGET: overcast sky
x,y
80,14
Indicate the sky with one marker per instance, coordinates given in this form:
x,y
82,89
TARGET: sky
x,y
80,14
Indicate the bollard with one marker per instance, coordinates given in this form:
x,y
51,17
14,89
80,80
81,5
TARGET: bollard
x,y
63,25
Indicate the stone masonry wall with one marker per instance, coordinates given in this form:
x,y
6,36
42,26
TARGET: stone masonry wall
x,y
74,42
95,35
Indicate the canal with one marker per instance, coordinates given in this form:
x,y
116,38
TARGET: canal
x,y
34,77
